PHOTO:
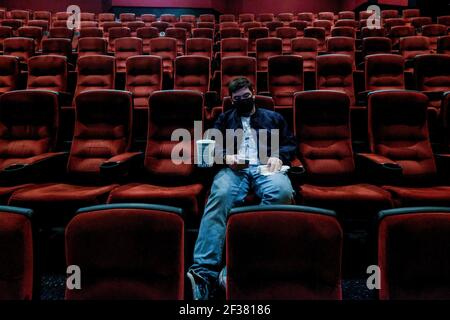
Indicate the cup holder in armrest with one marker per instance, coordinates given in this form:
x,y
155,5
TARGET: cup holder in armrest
x,y
109,165
297,170
15,167
392,166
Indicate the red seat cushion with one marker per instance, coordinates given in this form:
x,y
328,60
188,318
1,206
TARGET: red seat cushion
x,y
356,200
58,201
420,196
7,191
187,197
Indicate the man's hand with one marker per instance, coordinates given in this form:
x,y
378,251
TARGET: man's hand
x,y
274,164
233,163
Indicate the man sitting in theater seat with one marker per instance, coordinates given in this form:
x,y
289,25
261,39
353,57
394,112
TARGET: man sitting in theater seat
x,y
241,174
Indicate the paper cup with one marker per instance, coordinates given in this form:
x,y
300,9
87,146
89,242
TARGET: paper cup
x,y
205,153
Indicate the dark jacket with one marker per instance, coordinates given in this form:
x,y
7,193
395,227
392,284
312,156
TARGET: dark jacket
x,y
261,119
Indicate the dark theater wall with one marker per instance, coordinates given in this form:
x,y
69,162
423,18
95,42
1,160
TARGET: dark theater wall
x,y
273,6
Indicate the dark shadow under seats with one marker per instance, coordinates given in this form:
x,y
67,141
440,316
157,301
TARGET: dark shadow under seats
x,y
283,252
127,252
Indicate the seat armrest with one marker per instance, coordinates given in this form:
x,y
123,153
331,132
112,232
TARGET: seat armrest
x,y
379,168
120,165
434,95
296,172
45,164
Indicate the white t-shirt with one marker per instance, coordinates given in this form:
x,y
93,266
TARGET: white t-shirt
x,y
248,149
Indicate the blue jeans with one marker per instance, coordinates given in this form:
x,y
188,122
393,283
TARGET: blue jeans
x,y
229,190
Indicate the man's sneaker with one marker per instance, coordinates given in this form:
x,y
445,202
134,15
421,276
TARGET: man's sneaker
x,y
200,287
223,278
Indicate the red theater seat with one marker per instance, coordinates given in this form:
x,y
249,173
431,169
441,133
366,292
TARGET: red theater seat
x,y
180,35
105,17
166,48
286,34
148,19
61,32
171,182
273,26
343,32
134,25
373,45
410,47
146,34
316,33
384,71
206,18
342,45
283,252
286,18
233,47
192,73
91,32
307,49
399,32
234,67
326,24
300,26
227,18
47,72
161,26
335,72
125,48
34,33
203,33
433,32
306,16
399,141
322,127
419,22
143,76
372,32
127,252
29,119
199,47
265,18
116,33
266,48
55,46
188,18
432,76
9,73
413,247
389,14
167,17
5,32
101,140
95,72
16,254
91,46
346,15
254,34
127,17
23,48
246,17
285,78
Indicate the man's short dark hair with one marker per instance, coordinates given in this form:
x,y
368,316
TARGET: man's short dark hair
x,y
238,84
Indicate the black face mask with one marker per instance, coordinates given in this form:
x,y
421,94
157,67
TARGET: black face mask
x,y
244,106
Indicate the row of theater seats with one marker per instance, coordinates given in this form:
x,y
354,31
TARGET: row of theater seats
x,y
102,166
131,251
285,75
